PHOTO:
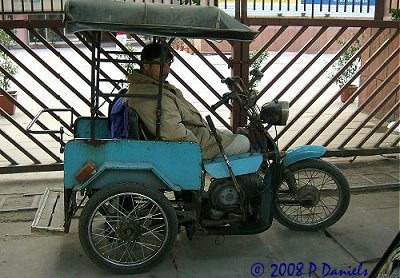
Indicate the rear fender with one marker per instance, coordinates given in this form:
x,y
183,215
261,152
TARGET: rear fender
x,y
137,172
303,152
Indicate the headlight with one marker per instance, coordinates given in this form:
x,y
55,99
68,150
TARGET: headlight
x,y
275,112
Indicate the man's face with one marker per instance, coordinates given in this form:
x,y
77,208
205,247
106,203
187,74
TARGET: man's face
x,y
153,70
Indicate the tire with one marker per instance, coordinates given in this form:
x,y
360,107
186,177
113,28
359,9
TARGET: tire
x,y
127,228
320,198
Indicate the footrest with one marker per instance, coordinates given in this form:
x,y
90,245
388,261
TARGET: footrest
x,y
50,214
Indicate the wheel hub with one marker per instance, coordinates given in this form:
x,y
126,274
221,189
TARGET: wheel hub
x,y
128,230
308,195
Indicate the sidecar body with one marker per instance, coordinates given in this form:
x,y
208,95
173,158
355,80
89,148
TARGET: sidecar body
x,y
94,161
165,165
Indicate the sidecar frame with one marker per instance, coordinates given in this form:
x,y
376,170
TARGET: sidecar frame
x,y
128,180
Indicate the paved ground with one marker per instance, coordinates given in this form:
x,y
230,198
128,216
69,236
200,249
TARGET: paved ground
x,y
358,240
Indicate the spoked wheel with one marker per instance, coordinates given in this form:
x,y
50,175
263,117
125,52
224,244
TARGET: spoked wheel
x,y
314,197
127,228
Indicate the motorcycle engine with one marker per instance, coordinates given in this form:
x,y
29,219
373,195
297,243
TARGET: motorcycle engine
x,y
224,197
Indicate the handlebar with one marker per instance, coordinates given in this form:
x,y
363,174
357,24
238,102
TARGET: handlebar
x,y
247,98
231,82
225,98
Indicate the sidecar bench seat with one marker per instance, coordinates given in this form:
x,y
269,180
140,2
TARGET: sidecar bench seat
x,y
82,128
136,127
123,122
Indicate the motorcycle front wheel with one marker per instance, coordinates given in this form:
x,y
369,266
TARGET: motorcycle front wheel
x,y
127,228
313,196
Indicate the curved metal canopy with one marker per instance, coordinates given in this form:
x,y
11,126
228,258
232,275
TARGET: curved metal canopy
x,y
154,19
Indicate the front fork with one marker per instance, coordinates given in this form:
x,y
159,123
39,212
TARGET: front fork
x,y
290,180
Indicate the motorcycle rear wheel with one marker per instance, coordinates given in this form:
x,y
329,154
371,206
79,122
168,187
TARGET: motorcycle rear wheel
x,y
314,197
127,228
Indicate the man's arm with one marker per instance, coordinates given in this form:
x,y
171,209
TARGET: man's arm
x,y
172,127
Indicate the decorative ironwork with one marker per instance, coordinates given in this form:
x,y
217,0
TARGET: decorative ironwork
x,y
300,54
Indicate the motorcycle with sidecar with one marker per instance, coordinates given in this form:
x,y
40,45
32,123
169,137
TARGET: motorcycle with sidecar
x,y
141,192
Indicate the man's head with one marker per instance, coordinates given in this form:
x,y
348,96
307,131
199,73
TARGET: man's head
x,y
152,53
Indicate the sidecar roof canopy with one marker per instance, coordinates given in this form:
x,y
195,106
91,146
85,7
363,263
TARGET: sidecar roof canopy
x,y
154,19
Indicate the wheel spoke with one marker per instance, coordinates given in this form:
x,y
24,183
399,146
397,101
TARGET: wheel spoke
x,y
104,237
138,206
112,248
324,206
148,245
131,246
119,211
142,248
121,259
155,230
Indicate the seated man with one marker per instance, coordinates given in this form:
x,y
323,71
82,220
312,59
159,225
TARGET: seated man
x,y
180,120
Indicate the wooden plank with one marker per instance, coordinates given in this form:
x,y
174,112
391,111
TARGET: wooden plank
x,y
57,220
50,212
47,206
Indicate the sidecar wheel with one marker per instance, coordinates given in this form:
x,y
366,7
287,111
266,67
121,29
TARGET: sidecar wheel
x,y
321,196
127,228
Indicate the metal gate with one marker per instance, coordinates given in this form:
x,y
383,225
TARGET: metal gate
x,y
55,73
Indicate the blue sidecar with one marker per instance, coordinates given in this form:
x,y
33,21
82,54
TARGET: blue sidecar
x,y
139,193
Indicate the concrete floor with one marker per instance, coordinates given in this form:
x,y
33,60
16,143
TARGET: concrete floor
x,y
358,240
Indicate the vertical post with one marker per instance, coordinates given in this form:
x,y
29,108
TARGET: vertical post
x,y
379,10
241,63
95,63
312,8
163,60
2,9
237,10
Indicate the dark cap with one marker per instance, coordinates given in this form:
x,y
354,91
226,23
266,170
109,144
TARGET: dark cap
x,y
152,51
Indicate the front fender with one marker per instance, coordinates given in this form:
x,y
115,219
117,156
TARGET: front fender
x,y
303,152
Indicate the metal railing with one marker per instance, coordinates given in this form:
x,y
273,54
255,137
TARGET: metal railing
x,y
255,8
300,54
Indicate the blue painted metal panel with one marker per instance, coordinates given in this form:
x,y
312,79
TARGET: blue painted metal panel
x,y
303,152
241,164
178,164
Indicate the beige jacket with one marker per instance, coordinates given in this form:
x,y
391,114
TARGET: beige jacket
x,y
180,120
